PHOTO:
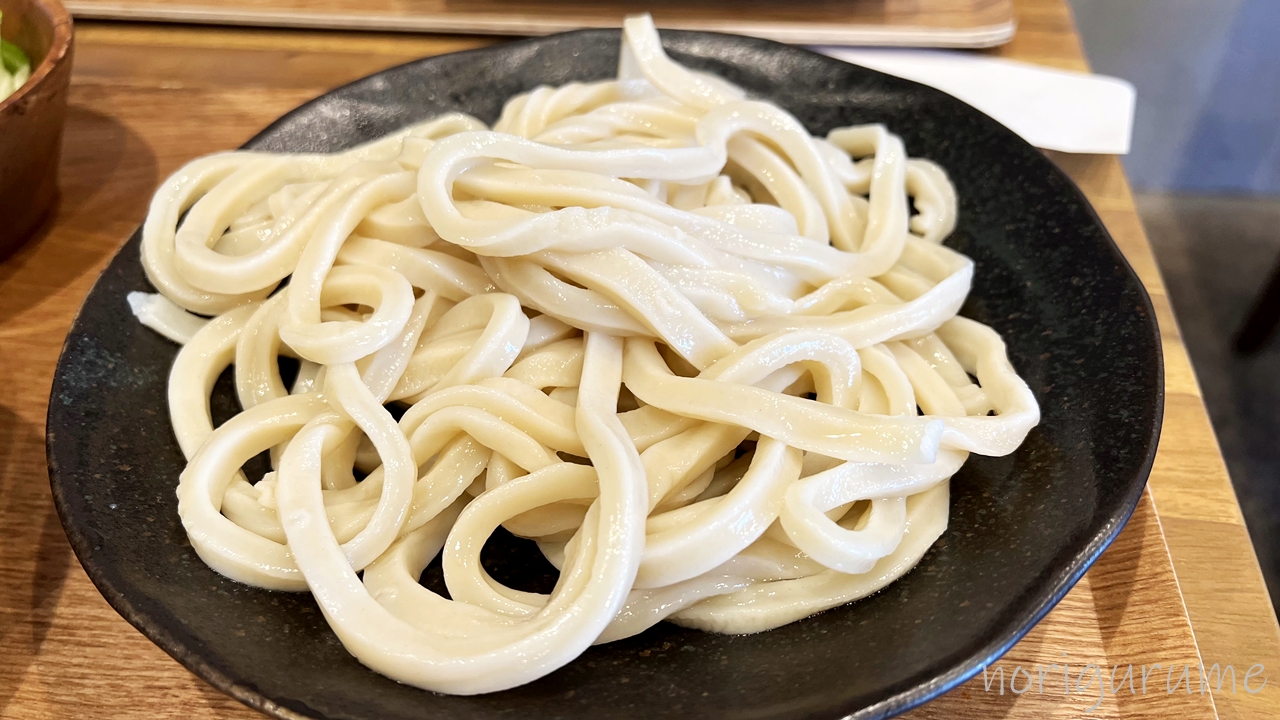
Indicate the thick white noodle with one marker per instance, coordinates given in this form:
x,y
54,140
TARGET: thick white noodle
x,y
711,364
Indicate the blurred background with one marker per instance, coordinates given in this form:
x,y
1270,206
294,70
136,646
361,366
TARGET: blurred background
x,y
1205,169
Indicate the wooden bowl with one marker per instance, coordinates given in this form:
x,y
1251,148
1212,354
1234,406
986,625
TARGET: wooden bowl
x,y
31,119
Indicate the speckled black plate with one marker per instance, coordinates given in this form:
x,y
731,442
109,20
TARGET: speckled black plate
x,y
1023,528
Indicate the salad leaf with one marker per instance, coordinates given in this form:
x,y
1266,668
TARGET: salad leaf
x,y
15,66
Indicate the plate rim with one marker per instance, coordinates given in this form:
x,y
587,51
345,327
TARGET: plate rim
x,y
890,706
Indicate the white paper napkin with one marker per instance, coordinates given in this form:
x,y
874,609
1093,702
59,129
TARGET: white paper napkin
x,y
1051,109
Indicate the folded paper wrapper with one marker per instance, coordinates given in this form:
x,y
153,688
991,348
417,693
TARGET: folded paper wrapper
x,y
1051,109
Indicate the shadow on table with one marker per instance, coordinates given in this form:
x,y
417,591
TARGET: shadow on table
x,y
107,175
34,554
1120,565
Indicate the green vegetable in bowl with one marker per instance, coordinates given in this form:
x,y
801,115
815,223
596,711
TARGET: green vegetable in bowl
x,y
15,67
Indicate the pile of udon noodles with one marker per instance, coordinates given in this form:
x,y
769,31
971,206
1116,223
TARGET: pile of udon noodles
x,y
709,363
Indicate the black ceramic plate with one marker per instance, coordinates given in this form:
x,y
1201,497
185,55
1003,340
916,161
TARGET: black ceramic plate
x,y
1023,528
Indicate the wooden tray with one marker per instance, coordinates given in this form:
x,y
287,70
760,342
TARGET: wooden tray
x,y
932,23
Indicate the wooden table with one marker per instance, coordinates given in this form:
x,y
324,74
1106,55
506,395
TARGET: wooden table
x,y
1180,584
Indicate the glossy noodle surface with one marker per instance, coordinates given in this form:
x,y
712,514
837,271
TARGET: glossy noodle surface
x,y
711,364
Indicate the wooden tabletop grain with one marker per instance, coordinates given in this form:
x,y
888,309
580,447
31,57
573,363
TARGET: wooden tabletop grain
x,y
1181,584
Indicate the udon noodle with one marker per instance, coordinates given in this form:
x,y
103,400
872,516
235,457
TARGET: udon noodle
x,y
711,364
